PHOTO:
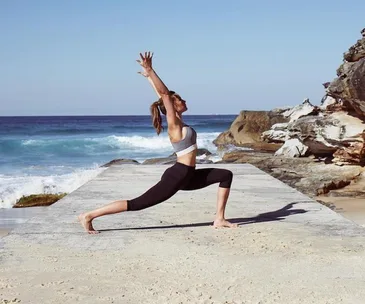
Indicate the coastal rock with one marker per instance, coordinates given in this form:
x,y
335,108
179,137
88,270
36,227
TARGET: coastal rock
x,y
292,148
304,109
334,132
305,174
278,133
349,86
248,127
121,161
36,200
199,152
160,161
264,146
357,51
327,102
171,160
353,153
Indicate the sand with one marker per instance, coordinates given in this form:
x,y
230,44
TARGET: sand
x,y
349,207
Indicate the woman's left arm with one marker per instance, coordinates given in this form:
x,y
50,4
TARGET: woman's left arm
x,y
151,82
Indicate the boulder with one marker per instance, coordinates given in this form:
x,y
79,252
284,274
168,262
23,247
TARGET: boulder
x,y
160,161
248,127
349,86
293,148
336,132
327,102
199,152
306,108
277,134
356,51
121,161
171,160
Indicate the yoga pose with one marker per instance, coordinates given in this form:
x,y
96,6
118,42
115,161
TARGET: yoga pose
x,y
182,175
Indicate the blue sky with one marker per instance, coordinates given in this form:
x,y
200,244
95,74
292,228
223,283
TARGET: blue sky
x,y
78,57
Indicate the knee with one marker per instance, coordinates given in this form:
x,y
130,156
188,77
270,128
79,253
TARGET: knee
x,y
227,179
132,206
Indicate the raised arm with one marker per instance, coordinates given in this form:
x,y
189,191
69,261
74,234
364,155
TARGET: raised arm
x,y
151,82
161,90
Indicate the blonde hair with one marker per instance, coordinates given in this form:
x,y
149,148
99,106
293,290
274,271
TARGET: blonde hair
x,y
155,109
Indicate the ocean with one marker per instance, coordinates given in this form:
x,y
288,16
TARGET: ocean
x,y
54,154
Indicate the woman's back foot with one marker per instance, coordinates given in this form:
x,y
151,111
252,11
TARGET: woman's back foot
x,y
222,223
87,224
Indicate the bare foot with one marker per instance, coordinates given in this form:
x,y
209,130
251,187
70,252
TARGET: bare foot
x,y
86,223
220,223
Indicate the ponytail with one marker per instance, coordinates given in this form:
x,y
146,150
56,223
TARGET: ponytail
x,y
156,116
155,109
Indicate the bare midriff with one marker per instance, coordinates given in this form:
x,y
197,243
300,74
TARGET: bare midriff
x,y
188,159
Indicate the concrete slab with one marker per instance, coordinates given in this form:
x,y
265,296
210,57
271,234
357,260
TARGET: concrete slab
x,y
14,217
288,249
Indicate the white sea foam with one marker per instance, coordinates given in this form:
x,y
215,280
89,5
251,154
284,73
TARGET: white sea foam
x,y
30,142
155,142
14,187
152,143
134,143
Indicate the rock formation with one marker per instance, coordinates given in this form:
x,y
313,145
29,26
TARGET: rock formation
x,y
335,129
349,87
247,128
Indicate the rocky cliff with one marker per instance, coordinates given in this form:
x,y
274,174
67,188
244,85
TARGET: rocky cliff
x,y
335,129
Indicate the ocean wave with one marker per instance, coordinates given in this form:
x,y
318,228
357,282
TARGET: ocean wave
x,y
29,142
13,188
99,144
153,143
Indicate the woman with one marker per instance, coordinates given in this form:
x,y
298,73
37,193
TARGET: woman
x,y
182,175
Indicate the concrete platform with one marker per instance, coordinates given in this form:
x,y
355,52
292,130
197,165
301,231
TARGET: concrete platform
x,y
288,248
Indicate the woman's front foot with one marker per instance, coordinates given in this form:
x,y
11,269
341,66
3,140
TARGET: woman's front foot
x,y
223,223
86,222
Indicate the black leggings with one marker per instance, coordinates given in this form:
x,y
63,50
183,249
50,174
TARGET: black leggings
x,y
180,177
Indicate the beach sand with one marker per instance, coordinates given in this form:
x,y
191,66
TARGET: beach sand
x,y
4,232
349,207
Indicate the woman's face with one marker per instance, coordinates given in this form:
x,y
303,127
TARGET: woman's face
x,y
180,104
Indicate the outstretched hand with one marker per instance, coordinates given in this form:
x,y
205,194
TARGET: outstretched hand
x,y
143,73
145,63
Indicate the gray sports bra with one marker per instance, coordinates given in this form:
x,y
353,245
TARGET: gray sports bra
x,y
187,144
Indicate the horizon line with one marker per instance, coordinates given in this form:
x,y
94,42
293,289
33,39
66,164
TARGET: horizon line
x,y
109,115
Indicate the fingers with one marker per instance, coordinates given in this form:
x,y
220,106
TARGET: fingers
x,y
146,58
147,55
143,74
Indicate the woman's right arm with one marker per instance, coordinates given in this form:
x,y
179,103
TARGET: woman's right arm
x,y
158,85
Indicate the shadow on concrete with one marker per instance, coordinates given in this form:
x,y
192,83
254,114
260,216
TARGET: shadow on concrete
x,y
276,215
